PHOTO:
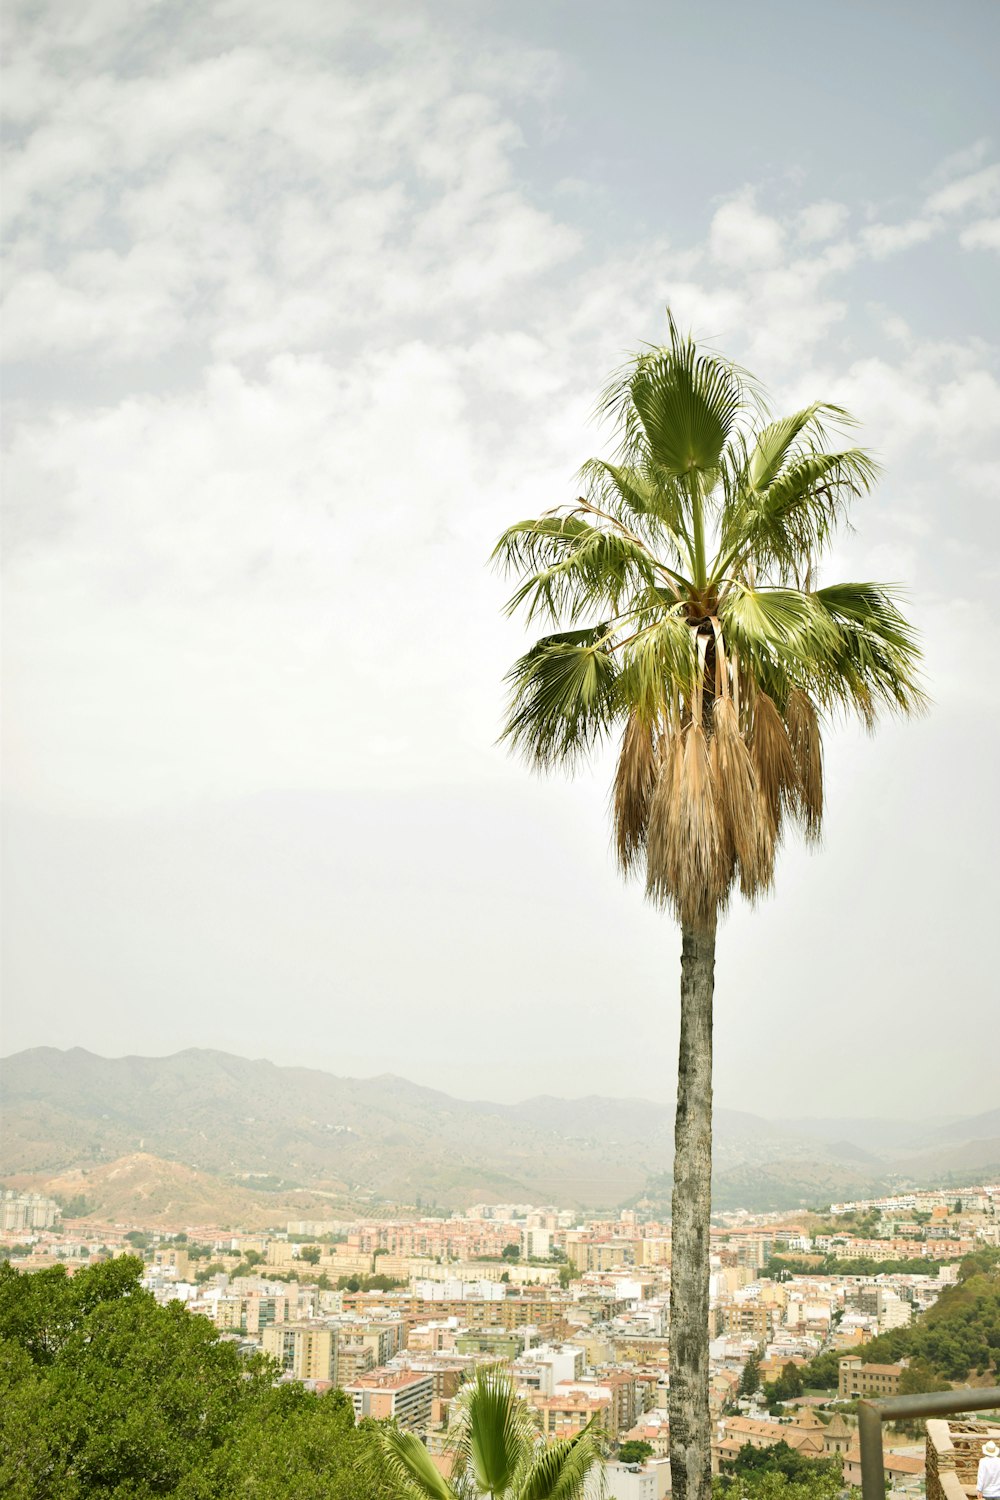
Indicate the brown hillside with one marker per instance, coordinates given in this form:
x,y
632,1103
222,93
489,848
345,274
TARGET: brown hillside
x,y
144,1189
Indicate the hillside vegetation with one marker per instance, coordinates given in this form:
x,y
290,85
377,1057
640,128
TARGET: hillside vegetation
x,y
104,1393
956,1339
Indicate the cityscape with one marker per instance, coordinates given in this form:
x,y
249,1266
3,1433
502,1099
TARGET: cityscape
x,y
399,1312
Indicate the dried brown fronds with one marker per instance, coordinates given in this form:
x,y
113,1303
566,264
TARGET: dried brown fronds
x,y
745,820
807,751
635,782
773,760
689,858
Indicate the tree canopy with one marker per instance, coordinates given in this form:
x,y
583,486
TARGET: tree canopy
x,y
105,1393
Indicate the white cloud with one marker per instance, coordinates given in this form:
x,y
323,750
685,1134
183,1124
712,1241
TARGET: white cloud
x,y
976,190
821,221
881,240
983,234
742,236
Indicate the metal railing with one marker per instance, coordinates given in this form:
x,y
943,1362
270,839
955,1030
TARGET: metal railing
x,y
872,1413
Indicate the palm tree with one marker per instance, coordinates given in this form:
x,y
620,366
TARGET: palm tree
x,y
497,1451
681,583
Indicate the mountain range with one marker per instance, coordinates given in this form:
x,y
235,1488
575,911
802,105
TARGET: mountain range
x,y
123,1132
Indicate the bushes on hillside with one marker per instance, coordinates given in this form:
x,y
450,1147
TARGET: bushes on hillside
x,y
105,1393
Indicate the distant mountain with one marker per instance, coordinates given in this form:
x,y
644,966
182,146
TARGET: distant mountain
x,y
247,1124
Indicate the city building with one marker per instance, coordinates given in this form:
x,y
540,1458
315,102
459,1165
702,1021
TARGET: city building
x,y
401,1395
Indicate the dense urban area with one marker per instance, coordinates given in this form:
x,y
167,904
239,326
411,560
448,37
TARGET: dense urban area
x,y
808,1313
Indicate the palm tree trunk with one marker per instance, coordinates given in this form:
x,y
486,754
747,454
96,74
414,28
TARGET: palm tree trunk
x,y
690,1424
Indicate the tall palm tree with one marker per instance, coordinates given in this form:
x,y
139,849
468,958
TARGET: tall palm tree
x,y
689,623
496,1448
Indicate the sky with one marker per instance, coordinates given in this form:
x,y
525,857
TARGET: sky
x,y
303,305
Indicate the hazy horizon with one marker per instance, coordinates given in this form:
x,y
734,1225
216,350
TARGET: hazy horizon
x,y
303,307
455,1093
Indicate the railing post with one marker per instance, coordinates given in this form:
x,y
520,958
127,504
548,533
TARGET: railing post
x,y
872,1461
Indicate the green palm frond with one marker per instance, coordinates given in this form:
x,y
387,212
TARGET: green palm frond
x,y
875,665
658,665
494,1431
560,1471
640,495
529,545
775,621
786,526
775,443
410,1466
676,408
593,573
563,699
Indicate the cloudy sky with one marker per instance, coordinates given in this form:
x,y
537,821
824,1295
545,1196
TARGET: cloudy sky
x,y
304,303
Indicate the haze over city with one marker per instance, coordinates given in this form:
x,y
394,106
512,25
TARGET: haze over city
x,y
304,306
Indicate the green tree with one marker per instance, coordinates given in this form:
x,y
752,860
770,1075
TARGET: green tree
x,y
496,1450
918,1379
310,1253
105,1394
511,1252
634,1451
681,588
567,1273
750,1378
779,1458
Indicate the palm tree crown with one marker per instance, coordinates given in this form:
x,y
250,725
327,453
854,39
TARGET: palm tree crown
x,y
497,1451
683,582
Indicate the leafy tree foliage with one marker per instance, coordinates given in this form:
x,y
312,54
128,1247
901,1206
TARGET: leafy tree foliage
x,y
634,1451
376,1283
918,1379
779,1458
104,1393
779,1473
957,1337
750,1379
787,1386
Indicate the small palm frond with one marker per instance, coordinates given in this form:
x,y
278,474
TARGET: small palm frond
x,y
774,624
410,1466
875,662
776,442
676,408
494,1431
786,526
529,545
594,573
563,696
561,1470
658,662
645,498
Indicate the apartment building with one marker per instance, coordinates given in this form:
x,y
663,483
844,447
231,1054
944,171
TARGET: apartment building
x,y
306,1350
563,1416
20,1211
401,1395
858,1379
